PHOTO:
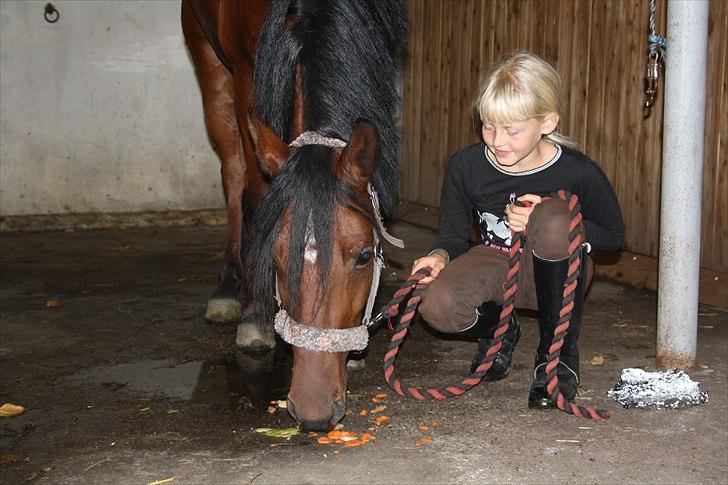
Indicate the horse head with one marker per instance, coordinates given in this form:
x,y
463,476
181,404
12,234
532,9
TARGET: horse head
x,y
314,240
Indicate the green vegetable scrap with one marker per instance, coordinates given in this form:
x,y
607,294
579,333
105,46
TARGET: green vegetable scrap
x,y
278,432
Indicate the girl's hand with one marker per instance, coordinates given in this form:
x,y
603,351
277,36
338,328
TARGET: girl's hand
x,y
435,261
516,216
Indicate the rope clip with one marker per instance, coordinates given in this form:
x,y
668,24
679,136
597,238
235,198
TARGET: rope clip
x,y
652,76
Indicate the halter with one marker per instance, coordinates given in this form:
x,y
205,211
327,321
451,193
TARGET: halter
x,y
334,339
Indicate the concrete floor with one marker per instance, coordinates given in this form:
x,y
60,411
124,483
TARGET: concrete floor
x,y
124,382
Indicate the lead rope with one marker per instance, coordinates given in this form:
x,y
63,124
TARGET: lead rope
x,y
413,288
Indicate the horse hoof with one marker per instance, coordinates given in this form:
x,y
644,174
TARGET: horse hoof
x,y
355,365
223,310
250,338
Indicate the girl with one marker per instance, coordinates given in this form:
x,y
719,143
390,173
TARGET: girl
x,y
523,157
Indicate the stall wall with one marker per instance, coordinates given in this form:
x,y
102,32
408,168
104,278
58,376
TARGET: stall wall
x,y
100,111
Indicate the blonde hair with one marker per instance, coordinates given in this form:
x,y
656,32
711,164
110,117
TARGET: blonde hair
x,y
521,86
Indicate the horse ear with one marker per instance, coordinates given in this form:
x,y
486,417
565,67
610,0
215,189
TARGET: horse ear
x,y
360,157
270,150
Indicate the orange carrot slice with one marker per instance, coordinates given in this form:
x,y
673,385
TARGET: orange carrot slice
x,y
380,419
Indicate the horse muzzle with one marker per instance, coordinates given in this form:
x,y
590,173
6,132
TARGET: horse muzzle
x,y
318,424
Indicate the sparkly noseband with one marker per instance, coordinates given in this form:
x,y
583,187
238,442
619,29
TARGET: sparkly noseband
x,y
320,339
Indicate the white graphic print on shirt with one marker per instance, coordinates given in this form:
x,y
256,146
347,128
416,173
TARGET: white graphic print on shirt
x,y
494,229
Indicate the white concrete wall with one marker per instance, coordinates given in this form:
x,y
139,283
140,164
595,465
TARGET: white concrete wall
x,y
101,111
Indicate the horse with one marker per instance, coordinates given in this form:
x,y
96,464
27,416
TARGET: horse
x,y
299,98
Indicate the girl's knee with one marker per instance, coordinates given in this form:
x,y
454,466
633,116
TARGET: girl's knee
x,y
436,307
548,229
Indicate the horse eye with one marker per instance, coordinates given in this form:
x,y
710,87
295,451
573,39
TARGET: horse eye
x,y
364,257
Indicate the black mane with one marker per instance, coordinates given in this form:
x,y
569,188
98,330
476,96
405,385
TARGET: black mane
x,y
350,54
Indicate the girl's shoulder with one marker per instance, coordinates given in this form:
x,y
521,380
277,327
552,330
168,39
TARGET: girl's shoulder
x,y
468,157
580,164
474,152
575,156
578,160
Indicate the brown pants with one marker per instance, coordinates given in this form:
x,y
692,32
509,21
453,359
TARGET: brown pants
x,y
477,276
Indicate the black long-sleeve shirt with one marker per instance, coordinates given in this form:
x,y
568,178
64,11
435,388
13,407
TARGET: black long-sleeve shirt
x,y
474,187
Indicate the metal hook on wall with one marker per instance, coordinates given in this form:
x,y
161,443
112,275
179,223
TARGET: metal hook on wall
x,y
51,14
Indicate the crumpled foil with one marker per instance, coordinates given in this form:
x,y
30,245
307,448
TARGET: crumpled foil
x,y
671,389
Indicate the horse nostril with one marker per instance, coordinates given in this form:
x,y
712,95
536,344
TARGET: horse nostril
x,y
291,408
339,409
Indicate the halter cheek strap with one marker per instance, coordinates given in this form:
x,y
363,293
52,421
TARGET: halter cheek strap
x,y
334,339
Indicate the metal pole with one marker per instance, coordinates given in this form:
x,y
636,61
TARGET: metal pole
x,y
682,177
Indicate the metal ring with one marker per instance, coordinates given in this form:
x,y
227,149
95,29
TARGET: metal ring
x,y
51,14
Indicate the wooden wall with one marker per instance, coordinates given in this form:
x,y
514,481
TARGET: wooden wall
x,y
599,48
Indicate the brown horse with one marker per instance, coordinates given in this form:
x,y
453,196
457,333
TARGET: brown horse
x,y
299,97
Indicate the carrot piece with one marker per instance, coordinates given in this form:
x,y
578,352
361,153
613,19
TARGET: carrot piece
x,y
367,437
426,439
381,395
323,440
380,419
423,428
354,443
375,400
378,409
435,424
363,412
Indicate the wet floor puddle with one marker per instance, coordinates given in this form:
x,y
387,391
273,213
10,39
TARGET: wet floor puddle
x,y
256,380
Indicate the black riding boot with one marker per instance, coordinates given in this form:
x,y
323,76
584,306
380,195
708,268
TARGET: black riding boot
x,y
483,330
550,277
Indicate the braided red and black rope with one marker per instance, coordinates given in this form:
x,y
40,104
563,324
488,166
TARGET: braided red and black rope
x,y
412,288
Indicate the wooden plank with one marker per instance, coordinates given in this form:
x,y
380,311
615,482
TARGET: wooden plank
x,y
470,69
445,96
501,28
719,249
715,186
451,94
630,171
428,135
414,106
595,100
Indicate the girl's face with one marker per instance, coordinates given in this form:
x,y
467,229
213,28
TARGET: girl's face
x,y
519,146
